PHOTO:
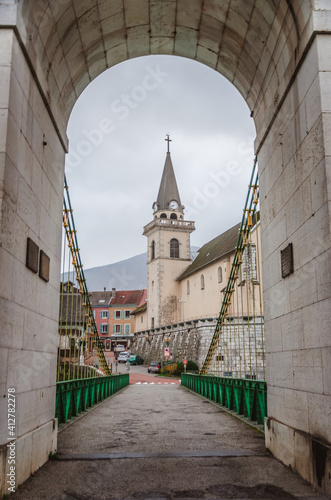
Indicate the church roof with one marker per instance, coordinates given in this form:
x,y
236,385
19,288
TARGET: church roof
x,y
168,188
213,250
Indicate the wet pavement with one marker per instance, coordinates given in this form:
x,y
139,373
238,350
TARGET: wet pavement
x,y
155,441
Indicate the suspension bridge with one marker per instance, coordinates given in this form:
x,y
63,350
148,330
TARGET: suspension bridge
x,y
165,425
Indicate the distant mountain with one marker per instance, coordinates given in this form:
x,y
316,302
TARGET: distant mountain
x,y
128,274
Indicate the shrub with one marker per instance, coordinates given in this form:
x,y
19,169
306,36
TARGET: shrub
x,y
190,367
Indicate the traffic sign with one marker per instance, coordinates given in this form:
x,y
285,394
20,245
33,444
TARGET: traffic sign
x,y
184,361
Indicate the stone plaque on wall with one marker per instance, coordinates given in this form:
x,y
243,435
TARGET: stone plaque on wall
x,y
44,266
287,260
32,255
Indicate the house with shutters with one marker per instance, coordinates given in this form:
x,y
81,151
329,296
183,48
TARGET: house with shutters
x,y
113,315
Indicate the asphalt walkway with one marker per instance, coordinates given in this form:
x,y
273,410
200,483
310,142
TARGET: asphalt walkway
x,y
162,442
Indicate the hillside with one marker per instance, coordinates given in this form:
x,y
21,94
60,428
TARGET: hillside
x,y
128,274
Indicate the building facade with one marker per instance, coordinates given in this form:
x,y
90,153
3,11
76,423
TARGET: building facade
x,y
113,315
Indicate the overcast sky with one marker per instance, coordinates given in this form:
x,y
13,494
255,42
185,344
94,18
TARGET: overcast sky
x,y
117,133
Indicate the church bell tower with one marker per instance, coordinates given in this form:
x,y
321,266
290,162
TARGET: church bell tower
x,y
168,250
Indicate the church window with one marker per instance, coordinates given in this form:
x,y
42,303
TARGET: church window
x,y
152,322
163,216
174,248
220,277
202,279
173,216
153,250
188,287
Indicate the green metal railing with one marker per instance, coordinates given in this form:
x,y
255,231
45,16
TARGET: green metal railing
x,y
75,396
243,396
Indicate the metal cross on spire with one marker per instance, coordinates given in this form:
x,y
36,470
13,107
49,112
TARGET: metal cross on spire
x,y
168,141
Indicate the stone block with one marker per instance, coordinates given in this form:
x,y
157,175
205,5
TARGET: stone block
x,y
3,129
307,73
40,333
292,331
313,102
10,188
6,44
323,275
279,367
5,86
295,409
323,44
35,408
326,365
276,300
24,456
307,368
298,208
14,233
302,286
44,442
207,56
3,370
24,285
279,439
316,324
319,414
136,13
186,42
7,263
28,206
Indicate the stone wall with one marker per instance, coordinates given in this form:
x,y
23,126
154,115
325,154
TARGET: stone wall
x,y
190,340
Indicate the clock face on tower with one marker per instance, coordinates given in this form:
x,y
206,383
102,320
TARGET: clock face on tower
x,y
173,205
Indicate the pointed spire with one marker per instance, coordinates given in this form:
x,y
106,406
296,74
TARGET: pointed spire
x,y
168,188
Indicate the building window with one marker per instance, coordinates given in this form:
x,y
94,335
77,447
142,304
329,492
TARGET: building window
x,y
202,279
128,313
117,329
249,269
104,314
163,216
104,328
141,319
219,273
153,250
152,322
174,248
117,315
188,287
173,216
127,328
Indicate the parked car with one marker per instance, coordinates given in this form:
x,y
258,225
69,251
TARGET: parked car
x,y
154,367
119,348
123,357
135,359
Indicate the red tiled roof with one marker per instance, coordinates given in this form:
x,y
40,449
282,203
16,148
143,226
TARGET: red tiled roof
x,y
143,298
123,297
100,298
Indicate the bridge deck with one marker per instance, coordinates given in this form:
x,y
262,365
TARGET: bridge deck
x,y
161,442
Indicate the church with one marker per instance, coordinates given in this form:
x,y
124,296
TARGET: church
x,y
184,297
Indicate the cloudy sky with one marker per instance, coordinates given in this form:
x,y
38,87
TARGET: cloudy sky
x,y
117,133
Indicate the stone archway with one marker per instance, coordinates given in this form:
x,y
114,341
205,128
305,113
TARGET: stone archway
x,y
276,54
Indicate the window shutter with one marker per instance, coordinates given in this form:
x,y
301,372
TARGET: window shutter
x,y
121,328
114,329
